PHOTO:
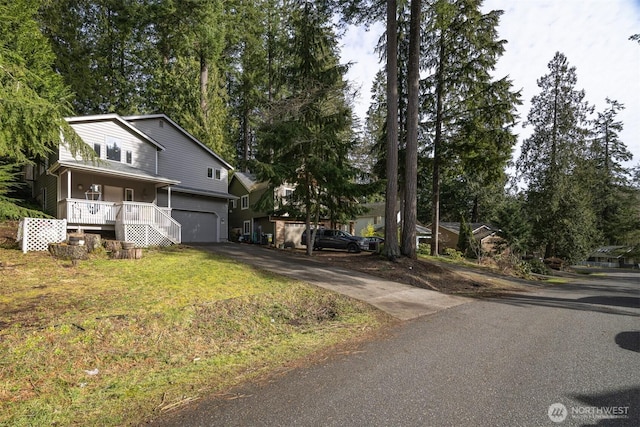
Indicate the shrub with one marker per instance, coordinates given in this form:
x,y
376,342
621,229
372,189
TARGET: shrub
x,y
454,254
424,249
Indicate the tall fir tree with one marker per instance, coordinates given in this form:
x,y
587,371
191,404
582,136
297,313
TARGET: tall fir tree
x,y
551,161
305,140
468,114
614,201
33,99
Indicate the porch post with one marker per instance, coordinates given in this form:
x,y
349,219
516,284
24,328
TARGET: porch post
x,y
68,183
169,197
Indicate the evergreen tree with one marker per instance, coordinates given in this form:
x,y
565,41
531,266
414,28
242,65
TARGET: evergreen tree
x,y
613,200
413,117
551,163
468,114
33,98
101,49
391,247
305,139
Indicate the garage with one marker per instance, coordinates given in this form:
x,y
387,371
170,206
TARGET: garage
x,y
197,227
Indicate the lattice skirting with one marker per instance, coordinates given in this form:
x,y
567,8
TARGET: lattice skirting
x,y
37,233
143,235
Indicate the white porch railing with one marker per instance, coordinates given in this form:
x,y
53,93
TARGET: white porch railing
x,y
123,214
89,212
148,213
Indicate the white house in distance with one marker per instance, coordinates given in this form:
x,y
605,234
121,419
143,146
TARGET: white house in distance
x,y
155,184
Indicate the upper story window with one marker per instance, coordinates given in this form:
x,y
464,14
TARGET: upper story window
x,y
98,149
232,203
244,202
129,157
214,173
114,151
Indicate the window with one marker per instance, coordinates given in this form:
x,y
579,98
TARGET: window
x,y
129,157
98,149
232,204
246,227
214,173
128,194
113,149
44,198
244,202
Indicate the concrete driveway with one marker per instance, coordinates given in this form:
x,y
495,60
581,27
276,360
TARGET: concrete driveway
x,y
401,301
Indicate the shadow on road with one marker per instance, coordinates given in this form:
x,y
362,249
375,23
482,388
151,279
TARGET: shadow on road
x,y
629,340
600,304
598,405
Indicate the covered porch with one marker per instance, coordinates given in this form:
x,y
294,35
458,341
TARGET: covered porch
x,y
115,197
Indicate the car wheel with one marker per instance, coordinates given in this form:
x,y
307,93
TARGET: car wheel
x,y
353,248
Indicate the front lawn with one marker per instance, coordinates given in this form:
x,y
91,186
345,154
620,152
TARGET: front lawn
x,y
113,342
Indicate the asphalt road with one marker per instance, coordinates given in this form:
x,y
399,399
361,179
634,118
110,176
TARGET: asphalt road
x,y
499,362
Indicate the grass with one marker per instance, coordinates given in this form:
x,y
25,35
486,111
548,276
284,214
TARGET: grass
x,y
115,342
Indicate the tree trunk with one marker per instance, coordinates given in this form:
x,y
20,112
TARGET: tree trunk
x,y
411,158
435,224
391,249
204,78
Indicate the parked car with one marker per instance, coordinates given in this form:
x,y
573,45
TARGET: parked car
x,y
374,242
337,239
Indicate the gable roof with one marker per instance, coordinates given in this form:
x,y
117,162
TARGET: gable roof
x,y
118,120
249,181
181,130
479,230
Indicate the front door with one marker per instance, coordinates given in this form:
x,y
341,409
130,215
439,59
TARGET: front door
x,y
112,194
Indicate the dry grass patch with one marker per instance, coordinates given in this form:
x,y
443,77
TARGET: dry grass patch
x,y
118,342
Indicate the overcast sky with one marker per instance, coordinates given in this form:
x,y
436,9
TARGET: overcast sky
x,y
592,34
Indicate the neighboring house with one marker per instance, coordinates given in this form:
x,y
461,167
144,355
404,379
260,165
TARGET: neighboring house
x,y
483,233
258,226
373,217
613,257
154,184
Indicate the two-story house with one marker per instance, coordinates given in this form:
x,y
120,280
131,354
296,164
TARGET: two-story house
x,y
256,226
153,182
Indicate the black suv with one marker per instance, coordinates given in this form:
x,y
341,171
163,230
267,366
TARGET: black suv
x,y
336,239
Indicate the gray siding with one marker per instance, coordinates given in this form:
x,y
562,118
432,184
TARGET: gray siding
x,y
143,153
182,203
183,160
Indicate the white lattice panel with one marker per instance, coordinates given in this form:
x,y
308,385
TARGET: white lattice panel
x,y
37,233
143,235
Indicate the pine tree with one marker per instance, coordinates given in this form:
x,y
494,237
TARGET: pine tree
x,y
551,162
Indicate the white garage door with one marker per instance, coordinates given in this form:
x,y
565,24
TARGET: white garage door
x,y
197,227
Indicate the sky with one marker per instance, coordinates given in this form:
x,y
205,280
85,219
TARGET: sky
x,y
592,34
